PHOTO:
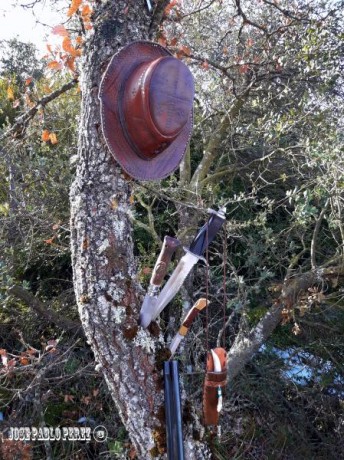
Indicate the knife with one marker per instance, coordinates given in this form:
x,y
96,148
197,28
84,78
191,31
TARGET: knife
x,y
183,330
201,241
160,269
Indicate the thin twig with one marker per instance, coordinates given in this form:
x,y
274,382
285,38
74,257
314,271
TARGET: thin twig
x,y
18,128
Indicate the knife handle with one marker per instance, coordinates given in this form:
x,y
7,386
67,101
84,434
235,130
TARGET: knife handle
x,y
208,232
160,269
198,306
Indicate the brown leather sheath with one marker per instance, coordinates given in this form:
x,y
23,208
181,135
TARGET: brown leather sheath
x,y
213,380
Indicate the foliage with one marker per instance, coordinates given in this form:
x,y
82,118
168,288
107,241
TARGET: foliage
x,y
19,59
268,114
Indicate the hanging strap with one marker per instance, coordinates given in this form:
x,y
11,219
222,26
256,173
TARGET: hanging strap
x,y
224,287
207,296
215,381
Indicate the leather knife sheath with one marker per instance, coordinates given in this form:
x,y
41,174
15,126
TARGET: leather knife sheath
x,y
213,380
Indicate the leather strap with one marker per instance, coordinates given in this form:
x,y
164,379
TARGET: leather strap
x,y
213,380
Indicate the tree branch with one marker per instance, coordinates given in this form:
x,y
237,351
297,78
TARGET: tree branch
x,y
315,234
150,228
19,126
211,150
157,17
246,346
185,168
199,10
41,309
245,18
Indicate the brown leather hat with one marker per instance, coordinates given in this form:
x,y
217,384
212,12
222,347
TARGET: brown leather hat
x,y
146,109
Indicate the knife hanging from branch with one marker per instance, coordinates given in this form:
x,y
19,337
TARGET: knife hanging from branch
x,y
192,255
184,328
160,269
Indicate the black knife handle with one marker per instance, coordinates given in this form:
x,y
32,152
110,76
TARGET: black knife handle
x,y
161,266
207,233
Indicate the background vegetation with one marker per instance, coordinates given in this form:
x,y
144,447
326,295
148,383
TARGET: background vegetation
x,y
267,144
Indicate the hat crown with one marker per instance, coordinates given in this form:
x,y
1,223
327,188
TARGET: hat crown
x,y
157,104
170,96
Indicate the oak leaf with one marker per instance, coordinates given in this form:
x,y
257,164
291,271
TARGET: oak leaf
x,y
169,7
28,101
53,138
70,63
243,68
31,351
185,50
10,93
132,453
86,400
74,7
59,30
45,135
23,361
47,89
68,47
54,65
174,41
86,13
162,41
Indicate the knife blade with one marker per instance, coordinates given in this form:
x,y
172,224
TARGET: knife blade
x,y
183,330
160,269
192,255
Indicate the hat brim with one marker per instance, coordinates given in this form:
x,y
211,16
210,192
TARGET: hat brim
x,y
120,67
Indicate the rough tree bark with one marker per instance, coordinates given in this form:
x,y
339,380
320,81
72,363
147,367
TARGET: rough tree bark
x,y
107,290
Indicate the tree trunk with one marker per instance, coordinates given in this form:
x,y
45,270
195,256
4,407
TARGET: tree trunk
x,y
107,291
